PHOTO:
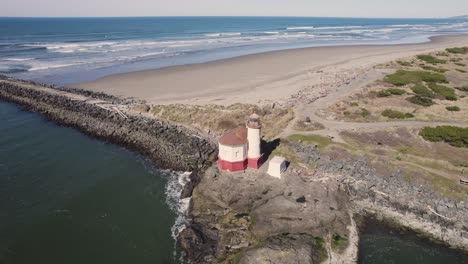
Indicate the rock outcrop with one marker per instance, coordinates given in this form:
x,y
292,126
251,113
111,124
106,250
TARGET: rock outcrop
x,y
168,145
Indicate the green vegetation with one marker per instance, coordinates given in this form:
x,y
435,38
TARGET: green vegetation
x,y
462,50
442,53
320,244
431,59
453,108
460,70
423,91
455,136
420,100
432,68
339,243
460,64
394,114
404,63
444,91
390,91
365,112
321,142
403,77
456,59
463,88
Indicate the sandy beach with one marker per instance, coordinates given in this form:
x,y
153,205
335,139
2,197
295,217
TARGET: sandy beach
x,y
262,78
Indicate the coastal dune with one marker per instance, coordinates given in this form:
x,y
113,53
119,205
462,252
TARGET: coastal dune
x,y
258,78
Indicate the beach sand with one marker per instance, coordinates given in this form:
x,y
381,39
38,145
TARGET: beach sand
x,y
265,77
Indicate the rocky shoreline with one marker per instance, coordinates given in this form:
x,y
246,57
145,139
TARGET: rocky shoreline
x,y
230,216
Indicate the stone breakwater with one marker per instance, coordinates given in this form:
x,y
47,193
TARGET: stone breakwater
x,y
390,198
168,145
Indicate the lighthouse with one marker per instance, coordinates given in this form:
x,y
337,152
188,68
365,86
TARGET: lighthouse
x,y
240,148
254,154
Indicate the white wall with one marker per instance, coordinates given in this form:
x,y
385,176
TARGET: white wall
x,y
233,153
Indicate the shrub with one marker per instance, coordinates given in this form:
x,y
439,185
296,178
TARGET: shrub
x,y
460,64
365,112
460,70
453,108
354,104
432,68
419,100
455,136
396,114
431,59
403,77
396,91
423,91
462,50
404,63
446,92
463,88
383,93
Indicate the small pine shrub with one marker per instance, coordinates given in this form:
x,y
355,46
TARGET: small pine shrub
x,y
453,108
404,63
403,77
460,70
463,88
419,100
460,64
431,59
423,91
455,136
444,91
462,50
393,114
365,112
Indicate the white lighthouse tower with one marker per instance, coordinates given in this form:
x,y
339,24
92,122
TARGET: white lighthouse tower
x,y
253,137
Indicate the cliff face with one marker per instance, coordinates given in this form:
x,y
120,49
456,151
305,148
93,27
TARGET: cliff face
x,y
169,146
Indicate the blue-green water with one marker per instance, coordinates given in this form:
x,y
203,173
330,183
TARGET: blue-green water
x,y
71,50
67,198
382,245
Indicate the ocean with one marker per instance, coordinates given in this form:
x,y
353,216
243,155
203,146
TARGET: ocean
x,y
68,198
71,50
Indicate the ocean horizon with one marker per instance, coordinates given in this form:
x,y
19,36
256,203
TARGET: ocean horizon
x,y
71,50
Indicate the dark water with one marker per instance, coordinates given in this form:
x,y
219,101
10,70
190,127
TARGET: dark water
x,y
71,50
382,245
67,198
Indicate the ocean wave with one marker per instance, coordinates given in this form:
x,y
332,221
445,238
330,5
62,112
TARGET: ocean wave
x,y
17,59
300,28
227,34
174,187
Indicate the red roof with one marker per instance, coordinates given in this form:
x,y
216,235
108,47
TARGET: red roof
x,y
234,137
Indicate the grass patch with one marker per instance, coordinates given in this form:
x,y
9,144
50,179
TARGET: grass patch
x,y
390,91
453,108
403,77
431,59
461,50
218,118
444,91
404,63
460,64
432,68
321,142
455,136
422,90
339,243
394,114
460,70
463,88
320,244
420,100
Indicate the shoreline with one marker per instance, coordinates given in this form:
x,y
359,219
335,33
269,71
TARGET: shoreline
x,y
258,78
